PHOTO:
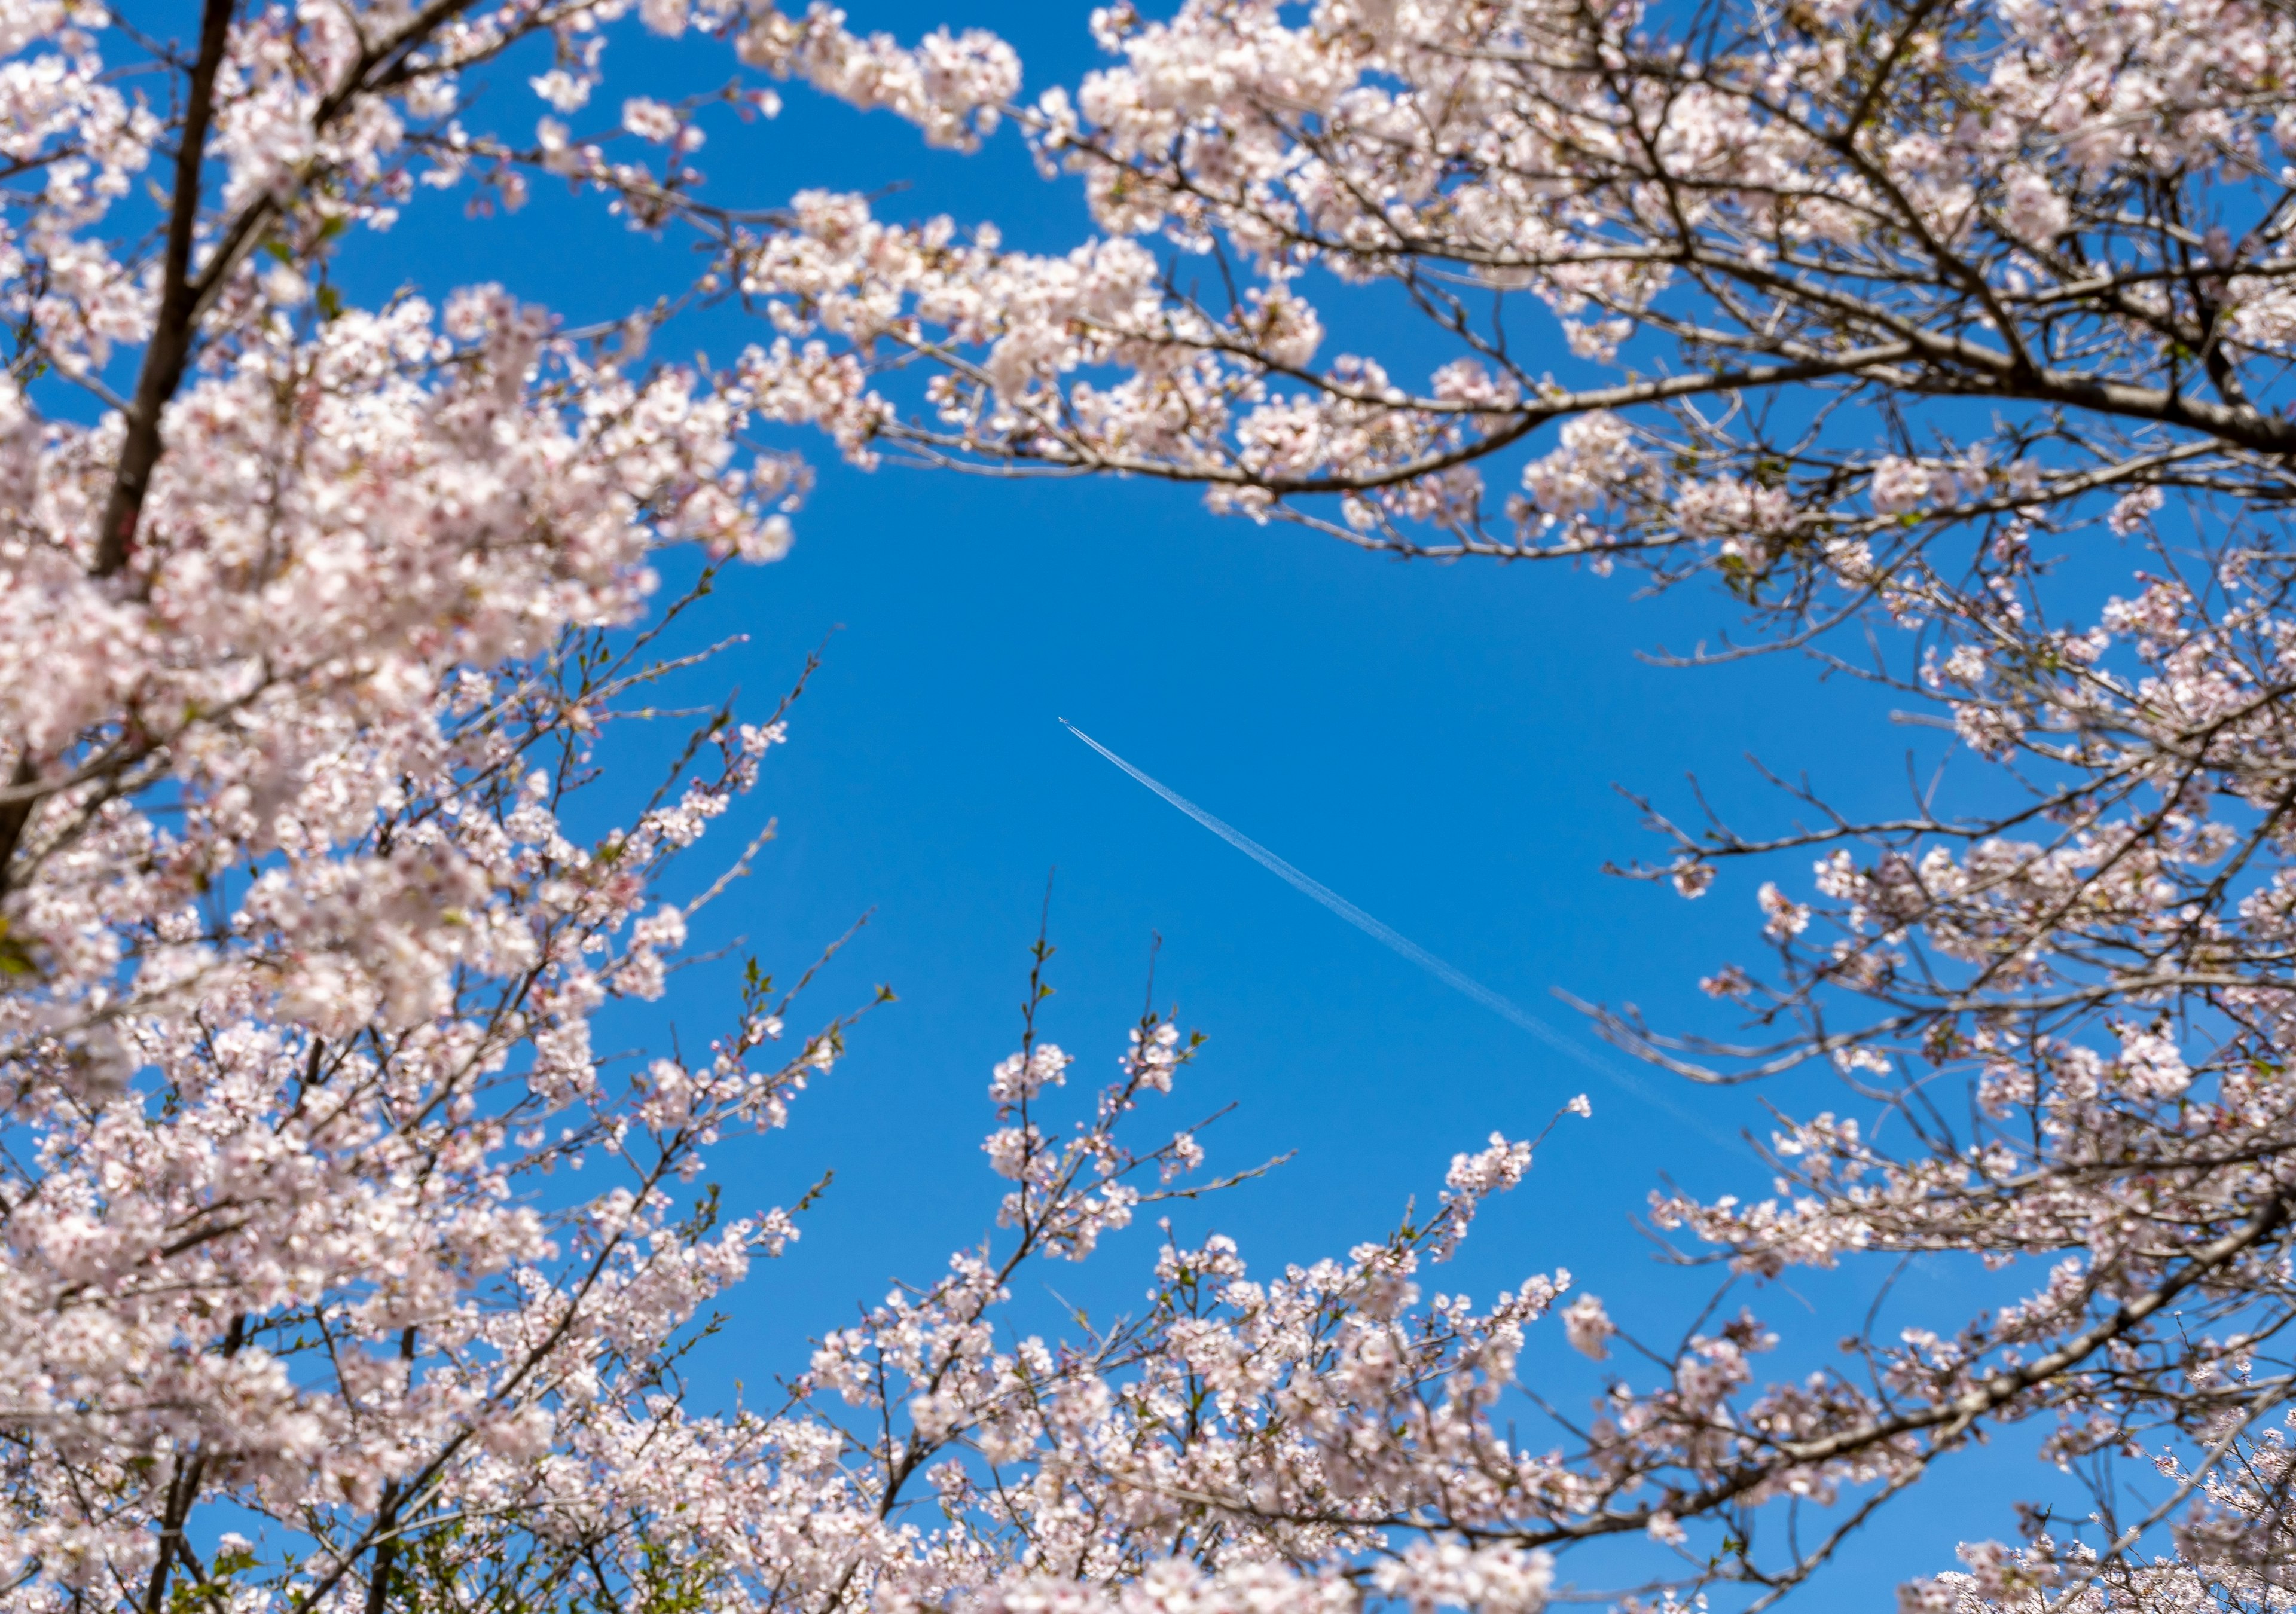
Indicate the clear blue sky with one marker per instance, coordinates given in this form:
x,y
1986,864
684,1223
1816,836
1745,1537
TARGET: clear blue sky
x,y
1439,744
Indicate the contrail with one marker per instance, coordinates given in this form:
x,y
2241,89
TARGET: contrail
x,y
1450,975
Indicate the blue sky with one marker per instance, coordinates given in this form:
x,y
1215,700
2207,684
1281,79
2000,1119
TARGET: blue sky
x,y
1439,744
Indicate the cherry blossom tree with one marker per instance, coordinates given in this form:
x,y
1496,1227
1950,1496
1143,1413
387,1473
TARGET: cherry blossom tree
x,y
311,633
318,620
1912,315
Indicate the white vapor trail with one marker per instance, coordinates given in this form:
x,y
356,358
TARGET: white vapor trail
x,y
1394,941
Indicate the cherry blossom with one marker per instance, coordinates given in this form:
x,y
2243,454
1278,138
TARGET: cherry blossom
x,y
340,1270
